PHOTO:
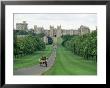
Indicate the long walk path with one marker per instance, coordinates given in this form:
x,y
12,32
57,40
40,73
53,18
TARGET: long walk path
x,y
67,63
37,69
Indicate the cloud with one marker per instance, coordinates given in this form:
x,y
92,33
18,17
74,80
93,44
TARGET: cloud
x,y
66,20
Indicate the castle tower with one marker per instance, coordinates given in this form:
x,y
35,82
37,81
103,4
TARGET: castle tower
x,y
96,28
22,26
35,29
51,31
59,33
83,30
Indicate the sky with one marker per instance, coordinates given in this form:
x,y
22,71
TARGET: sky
x,y
67,21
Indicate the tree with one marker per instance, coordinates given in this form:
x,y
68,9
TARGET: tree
x,y
83,45
28,45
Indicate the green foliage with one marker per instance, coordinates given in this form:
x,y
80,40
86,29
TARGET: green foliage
x,y
20,32
27,44
41,35
67,63
66,38
31,59
84,45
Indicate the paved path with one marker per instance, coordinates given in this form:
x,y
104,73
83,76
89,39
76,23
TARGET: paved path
x,y
37,69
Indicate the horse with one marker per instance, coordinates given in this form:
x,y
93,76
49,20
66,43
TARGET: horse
x,y
43,61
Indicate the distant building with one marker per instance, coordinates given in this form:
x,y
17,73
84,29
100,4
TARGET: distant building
x,y
38,29
75,32
46,32
83,30
45,39
22,26
35,29
58,32
54,32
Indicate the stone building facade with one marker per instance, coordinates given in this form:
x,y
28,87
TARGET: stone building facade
x,y
38,29
22,26
58,32
52,31
83,30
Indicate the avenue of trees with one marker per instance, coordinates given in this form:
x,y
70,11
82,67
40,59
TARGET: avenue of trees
x,y
83,45
27,43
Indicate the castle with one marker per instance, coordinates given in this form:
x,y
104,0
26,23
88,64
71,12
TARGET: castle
x,y
58,32
52,31
21,26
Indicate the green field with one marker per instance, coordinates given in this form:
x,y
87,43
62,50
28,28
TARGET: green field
x,y
31,60
69,64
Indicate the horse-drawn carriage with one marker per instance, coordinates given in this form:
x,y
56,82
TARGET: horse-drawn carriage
x,y
43,61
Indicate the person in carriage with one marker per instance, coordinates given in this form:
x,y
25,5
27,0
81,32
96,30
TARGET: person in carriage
x,y
42,61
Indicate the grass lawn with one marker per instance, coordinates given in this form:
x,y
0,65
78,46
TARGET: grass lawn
x,y
30,60
69,64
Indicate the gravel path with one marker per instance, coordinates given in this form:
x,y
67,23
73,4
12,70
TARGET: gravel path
x,y
37,69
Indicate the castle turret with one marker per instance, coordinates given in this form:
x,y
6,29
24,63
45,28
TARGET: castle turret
x,y
51,31
22,26
35,29
83,30
59,33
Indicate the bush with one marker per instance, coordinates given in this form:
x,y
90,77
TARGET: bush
x,y
84,45
27,45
